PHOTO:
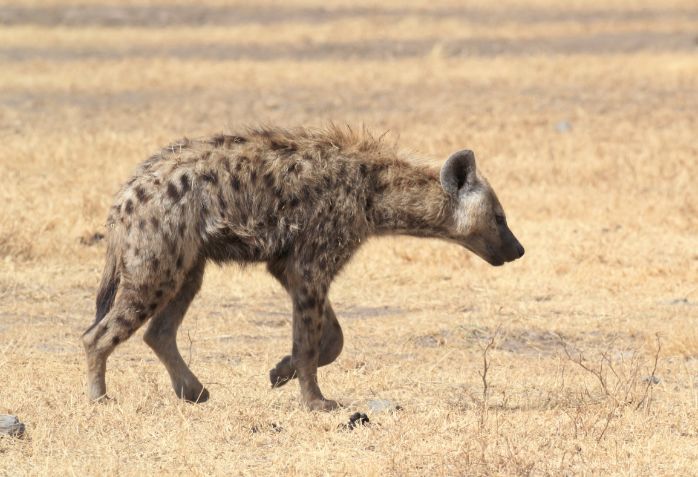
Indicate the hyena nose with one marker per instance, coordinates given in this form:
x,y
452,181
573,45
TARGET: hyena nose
x,y
520,250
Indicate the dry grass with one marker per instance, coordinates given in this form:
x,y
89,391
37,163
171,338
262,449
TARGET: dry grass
x,y
584,117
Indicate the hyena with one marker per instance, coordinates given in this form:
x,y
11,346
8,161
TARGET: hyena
x,y
302,201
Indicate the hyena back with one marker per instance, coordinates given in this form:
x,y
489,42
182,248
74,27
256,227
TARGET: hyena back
x,y
302,201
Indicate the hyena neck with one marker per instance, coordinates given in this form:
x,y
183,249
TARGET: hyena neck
x,y
409,200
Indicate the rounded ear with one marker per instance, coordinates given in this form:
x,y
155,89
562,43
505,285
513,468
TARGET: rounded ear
x,y
457,171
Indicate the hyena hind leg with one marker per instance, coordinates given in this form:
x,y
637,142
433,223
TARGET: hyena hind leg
x,y
130,310
331,345
161,336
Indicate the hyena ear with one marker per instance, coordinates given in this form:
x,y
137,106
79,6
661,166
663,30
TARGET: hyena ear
x,y
457,171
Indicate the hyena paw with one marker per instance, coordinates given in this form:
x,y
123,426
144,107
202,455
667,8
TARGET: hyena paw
x,y
322,405
282,373
103,399
195,395
279,378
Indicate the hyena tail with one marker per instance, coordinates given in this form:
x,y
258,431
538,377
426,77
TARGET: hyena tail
x,y
107,288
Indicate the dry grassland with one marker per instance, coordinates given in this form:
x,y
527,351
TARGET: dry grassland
x,y
584,118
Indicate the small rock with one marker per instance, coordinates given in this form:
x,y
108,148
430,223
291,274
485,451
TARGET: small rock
x,y
11,426
563,127
377,406
651,380
355,420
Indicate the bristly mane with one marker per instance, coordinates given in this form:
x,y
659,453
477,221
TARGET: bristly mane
x,y
332,136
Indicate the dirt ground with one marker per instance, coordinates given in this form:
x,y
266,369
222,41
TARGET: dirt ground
x,y
579,359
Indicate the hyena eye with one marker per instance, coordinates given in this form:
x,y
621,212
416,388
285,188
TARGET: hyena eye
x,y
500,220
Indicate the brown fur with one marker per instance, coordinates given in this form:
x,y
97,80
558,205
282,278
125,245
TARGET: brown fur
x,y
302,201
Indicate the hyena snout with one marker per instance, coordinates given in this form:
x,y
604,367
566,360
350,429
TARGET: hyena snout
x,y
509,250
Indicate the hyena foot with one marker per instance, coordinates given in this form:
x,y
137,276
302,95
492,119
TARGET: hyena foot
x,y
191,391
282,373
96,390
96,369
322,405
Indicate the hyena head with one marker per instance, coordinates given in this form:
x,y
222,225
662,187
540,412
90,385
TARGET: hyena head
x,y
479,223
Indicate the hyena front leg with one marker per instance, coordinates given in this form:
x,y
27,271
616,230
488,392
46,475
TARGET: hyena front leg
x,y
308,307
161,336
331,344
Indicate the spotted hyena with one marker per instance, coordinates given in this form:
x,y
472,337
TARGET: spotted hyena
x,y
302,201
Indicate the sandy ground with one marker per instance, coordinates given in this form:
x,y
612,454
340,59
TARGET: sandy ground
x,y
583,116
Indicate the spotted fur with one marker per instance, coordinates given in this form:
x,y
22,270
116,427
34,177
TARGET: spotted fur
x,y
303,201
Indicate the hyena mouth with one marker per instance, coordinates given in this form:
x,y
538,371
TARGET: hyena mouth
x,y
497,259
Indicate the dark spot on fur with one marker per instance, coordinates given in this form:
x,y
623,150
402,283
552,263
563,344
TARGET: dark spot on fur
x,y
218,140
143,197
226,164
128,207
269,180
182,229
294,202
115,340
171,245
253,176
158,293
141,224
186,185
157,182
142,316
152,306
172,192
379,187
307,320
179,261
235,183
156,222
226,140
221,201
210,176
156,263
279,145
308,302
122,322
